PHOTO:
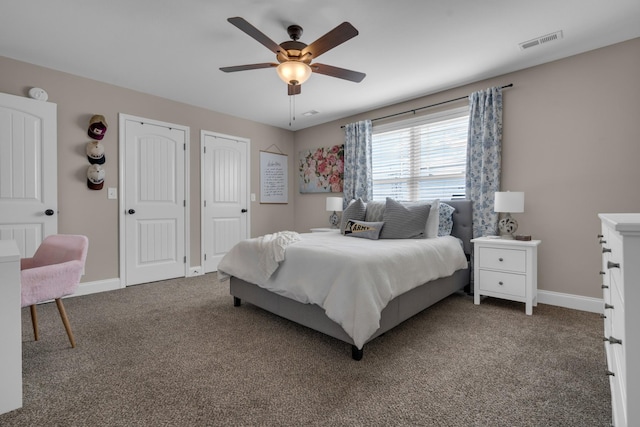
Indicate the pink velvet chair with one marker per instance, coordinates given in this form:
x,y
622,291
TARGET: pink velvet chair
x,y
52,273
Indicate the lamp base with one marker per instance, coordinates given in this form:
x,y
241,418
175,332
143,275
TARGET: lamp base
x,y
333,220
507,227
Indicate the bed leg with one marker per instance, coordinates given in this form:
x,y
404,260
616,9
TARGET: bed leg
x,y
356,354
237,302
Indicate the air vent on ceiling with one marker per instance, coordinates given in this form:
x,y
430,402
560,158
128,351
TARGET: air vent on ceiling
x,y
541,40
310,113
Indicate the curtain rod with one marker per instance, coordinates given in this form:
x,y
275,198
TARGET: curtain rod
x,y
428,106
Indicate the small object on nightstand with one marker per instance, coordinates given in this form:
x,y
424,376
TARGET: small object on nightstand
x,y
523,237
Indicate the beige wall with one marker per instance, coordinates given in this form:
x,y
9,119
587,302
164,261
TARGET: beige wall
x,y
571,142
89,212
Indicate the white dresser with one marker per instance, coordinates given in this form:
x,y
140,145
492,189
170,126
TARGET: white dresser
x,y
620,241
10,328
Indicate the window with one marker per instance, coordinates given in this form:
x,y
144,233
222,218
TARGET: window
x,y
423,158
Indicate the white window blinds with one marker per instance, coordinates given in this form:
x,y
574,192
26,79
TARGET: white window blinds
x,y
423,158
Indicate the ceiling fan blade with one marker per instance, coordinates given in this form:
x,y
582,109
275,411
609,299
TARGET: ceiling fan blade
x,y
333,38
294,89
248,67
255,33
340,73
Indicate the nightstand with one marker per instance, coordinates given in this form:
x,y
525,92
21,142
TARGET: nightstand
x,y
506,269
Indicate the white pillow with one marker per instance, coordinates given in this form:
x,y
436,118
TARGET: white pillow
x,y
433,221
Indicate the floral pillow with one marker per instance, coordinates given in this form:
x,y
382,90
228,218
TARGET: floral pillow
x,y
446,220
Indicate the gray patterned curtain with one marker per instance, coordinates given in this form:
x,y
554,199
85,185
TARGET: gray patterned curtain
x,y
358,181
484,153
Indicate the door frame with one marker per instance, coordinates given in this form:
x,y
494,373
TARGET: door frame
x,y
122,118
203,134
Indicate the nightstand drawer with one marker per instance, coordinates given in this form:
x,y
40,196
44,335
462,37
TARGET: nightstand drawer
x,y
504,283
503,259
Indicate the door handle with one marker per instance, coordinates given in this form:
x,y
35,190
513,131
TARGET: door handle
x,y
243,211
49,212
131,211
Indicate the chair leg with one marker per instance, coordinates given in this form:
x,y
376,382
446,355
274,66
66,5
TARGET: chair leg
x,y
65,320
34,321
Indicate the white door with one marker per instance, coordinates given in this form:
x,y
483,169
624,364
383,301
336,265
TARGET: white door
x,y
153,199
28,171
225,216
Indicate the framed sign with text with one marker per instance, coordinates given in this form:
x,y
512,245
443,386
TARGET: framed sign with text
x,y
274,178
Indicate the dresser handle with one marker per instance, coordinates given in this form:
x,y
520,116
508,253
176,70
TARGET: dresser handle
x,y
605,250
605,287
611,374
606,306
602,241
613,264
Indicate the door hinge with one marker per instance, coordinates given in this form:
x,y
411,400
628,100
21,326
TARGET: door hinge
x,y
205,203
205,150
184,146
185,259
184,203
205,257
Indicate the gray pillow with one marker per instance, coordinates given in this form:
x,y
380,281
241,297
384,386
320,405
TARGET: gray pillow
x,y
367,230
446,220
404,222
356,211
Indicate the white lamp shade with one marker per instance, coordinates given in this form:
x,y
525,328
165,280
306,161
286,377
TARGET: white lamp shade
x,y
509,201
334,204
294,71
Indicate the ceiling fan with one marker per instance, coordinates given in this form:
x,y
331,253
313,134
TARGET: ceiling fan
x,y
294,57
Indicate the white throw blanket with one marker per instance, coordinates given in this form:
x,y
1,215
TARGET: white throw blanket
x,y
270,249
352,279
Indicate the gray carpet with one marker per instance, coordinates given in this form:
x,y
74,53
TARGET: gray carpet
x,y
177,353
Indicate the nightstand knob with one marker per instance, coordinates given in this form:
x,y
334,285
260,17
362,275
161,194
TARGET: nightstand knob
x,y
605,250
613,264
500,259
500,283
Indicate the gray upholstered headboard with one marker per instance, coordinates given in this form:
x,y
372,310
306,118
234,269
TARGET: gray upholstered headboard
x,y
462,222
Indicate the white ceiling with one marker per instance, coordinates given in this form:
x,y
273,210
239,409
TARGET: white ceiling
x,y
407,48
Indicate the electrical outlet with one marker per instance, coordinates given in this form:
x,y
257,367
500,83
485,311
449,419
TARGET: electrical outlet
x,y
112,193
253,197
195,271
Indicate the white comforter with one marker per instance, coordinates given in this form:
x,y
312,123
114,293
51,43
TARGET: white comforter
x,y
352,279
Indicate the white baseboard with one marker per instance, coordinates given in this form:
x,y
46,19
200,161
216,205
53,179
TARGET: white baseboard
x,y
87,288
576,302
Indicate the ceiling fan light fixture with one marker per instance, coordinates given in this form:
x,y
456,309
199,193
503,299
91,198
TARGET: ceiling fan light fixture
x,y
294,71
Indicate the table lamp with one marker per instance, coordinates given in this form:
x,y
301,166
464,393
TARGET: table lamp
x,y
508,202
334,204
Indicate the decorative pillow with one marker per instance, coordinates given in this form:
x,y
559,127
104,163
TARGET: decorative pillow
x,y
367,230
433,222
375,211
356,211
404,222
446,220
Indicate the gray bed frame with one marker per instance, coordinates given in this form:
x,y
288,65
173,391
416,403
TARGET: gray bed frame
x,y
397,311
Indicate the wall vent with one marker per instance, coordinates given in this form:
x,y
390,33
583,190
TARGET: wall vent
x,y
541,40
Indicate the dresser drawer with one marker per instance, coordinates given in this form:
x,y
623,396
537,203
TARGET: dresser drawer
x,y
503,259
504,283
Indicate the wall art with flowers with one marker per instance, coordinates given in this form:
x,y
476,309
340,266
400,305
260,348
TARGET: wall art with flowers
x,y
322,170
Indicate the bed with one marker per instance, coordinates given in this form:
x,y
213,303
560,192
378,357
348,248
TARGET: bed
x,y
389,309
